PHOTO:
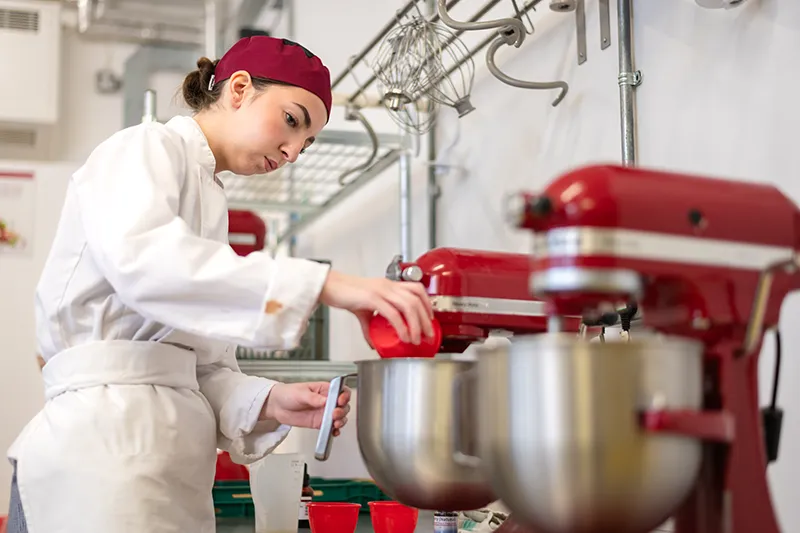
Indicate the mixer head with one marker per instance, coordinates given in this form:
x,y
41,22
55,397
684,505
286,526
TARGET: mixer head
x,y
475,293
690,251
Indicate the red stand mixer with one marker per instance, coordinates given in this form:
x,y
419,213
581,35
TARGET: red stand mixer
x,y
707,259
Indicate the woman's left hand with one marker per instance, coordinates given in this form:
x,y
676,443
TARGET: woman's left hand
x,y
302,405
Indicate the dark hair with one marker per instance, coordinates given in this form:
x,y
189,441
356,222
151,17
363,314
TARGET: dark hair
x,y
195,85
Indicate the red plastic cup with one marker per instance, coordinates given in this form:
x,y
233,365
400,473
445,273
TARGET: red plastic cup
x,y
333,517
387,343
393,517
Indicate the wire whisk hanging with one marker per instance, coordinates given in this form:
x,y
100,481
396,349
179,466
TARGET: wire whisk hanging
x,y
421,65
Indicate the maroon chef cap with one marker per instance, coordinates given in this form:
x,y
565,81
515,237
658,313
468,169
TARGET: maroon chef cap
x,y
278,60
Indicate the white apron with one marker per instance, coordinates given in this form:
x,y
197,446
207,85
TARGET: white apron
x,y
126,421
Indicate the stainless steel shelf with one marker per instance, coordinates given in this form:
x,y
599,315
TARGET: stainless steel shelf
x,y
312,185
289,371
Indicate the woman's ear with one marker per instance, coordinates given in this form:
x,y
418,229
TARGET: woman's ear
x,y
238,87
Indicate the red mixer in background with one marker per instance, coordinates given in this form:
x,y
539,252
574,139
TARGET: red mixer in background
x,y
227,470
706,259
247,232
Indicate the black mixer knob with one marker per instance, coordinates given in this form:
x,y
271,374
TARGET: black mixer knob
x,y
540,206
520,207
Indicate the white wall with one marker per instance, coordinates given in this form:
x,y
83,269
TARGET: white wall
x,y
21,390
718,98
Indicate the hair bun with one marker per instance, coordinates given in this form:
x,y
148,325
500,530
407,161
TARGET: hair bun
x,y
206,66
195,85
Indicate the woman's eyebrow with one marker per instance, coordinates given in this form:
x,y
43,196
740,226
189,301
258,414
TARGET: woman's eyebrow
x,y
306,116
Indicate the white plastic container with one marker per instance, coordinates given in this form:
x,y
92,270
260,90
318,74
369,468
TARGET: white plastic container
x,y
276,483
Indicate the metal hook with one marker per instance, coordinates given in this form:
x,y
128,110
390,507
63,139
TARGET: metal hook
x,y
352,113
497,73
519,30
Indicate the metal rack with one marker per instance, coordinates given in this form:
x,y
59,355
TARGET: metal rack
x,y
314,184
291,371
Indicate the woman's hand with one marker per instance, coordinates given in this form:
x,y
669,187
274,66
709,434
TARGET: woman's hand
x,y
302,404
405,304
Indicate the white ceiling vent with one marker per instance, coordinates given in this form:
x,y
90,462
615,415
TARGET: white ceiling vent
x,y
19,19
18,137
32,26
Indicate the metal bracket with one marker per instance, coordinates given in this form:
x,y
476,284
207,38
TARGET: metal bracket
x,y
605,25
393,270
444,168
580,25
634,79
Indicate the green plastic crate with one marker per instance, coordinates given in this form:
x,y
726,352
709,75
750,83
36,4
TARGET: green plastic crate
x,y
360,491
232,499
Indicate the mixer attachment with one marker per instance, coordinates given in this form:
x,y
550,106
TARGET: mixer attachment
x,y
420,66
510,32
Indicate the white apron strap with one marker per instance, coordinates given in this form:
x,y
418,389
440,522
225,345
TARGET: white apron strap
x,y
120,363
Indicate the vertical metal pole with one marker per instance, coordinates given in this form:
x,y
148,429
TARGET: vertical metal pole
x,y
629,80
211,30
149,113
405,201
433,190
291,23
433,176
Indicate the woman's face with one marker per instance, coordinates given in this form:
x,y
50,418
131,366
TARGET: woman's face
x,y
268,128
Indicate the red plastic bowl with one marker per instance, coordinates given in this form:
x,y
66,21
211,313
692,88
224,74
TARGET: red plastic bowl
x,y
393,517
333,517
387,343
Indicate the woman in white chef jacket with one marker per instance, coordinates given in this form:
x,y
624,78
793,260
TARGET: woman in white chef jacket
x,y
141,303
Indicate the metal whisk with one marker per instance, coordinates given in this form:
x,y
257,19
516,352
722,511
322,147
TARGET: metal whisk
x,y
421,65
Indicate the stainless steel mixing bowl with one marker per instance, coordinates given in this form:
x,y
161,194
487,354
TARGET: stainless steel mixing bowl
x,y
413,417
560,438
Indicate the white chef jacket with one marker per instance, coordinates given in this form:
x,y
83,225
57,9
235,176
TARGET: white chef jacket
x,y
141,254
138,310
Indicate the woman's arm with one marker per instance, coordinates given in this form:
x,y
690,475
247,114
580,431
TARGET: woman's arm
x,y
237,401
